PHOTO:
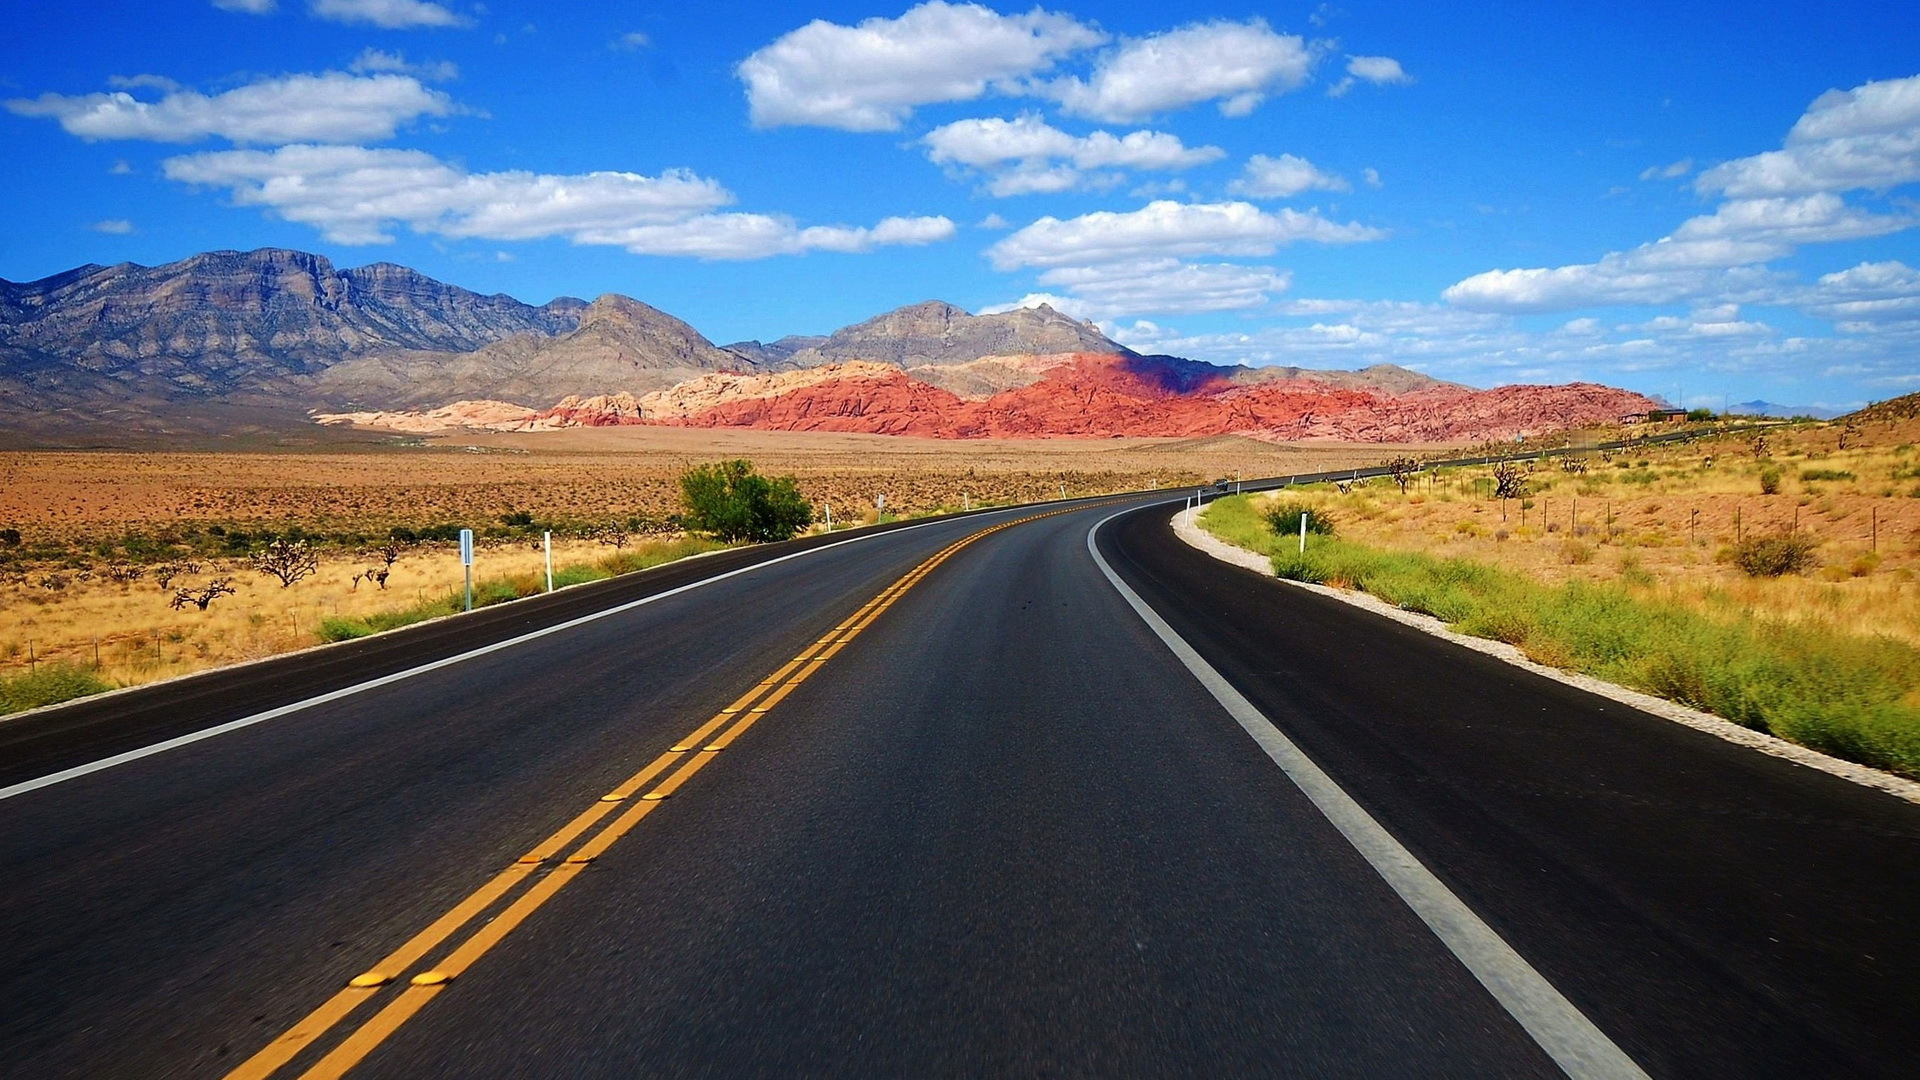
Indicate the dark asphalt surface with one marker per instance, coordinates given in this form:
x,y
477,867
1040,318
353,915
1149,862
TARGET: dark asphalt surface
x,y
1003,833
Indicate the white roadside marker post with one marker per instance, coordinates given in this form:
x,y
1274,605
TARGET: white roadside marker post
x,y
829,507
546,541
1303,532
466,562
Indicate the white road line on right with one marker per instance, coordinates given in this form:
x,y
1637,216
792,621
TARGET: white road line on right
x,y
1579,1047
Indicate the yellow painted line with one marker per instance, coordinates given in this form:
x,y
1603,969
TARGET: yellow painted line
x,y
672,783
744,712
384,1023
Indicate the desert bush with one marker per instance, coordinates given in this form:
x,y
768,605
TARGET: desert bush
x,y
1769,481
50,685
1575,553
732,502
1773,556
1824,474
287,560
1284,519
1851,696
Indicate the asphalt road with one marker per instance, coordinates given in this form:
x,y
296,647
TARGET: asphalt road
x,y
1000,830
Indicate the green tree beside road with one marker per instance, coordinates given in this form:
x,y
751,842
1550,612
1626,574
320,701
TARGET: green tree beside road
x,y
732,502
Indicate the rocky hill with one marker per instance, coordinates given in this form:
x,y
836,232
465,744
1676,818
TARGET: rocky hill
x,y
229,321
1088,395
619,345
256,341
935,333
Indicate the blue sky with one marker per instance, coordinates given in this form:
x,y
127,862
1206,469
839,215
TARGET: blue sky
x,y
1714,201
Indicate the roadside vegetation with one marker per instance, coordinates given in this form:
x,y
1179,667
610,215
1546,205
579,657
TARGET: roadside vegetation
x,y
141,606
1673,570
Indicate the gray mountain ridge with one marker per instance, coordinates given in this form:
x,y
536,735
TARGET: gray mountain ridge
x,y
268,335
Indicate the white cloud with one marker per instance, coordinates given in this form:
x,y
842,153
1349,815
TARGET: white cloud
x,y
113,226
1667,172
632,41
1065,305
1868,297
354,195
328,107
1027,155
375,60
994,222
1372,177
247,7
1864,138
1166,229
1237,64
757,236
1868,137
870,77
1166,286
1285,176
1378,70
388,14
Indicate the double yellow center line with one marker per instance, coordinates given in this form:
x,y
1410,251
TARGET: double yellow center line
x,y
666,774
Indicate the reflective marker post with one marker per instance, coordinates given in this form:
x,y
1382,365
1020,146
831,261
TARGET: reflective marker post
x,y
546,540
1303,532
466,561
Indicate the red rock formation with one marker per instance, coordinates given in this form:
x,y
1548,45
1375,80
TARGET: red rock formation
x,y
1087,396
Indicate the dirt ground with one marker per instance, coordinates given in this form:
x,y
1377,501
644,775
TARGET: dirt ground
x,y
1666,520
83,517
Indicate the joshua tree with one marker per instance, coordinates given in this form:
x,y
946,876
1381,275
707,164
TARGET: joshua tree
x,y
166,572
1403,470
1510,479
202,596
288,560
614,535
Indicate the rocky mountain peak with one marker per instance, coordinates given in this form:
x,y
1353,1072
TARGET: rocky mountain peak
x,y
934,332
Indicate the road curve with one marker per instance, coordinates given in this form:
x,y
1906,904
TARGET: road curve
x,y
989,824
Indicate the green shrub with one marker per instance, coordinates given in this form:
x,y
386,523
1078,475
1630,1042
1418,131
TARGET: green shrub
x,y
50,685
1769,481
1824,474
1284,519
1772,556
732,502
1854,697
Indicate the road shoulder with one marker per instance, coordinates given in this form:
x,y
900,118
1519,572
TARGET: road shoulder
x,y
1187,528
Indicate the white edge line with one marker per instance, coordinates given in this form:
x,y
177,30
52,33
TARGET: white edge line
x,y
1186,526
1581,1049
175,743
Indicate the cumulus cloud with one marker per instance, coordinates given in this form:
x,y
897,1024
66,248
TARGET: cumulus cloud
x,y
328,107
871,76
1167,229
1285,176
1027,154
1775,202
1868,297
1378,70
1711,254
1236,64
388,14
113,226
1864,138
355,195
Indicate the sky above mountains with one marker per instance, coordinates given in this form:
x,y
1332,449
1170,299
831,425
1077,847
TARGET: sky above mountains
x,y
1716,203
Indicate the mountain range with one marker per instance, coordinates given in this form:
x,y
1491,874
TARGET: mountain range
x,y
272,339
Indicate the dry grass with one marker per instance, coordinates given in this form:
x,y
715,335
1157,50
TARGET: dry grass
x,y
1663,521
67,505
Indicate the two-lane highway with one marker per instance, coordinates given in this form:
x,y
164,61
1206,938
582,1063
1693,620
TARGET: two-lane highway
x,y
983,821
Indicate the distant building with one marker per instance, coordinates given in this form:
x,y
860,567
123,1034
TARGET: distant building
x,y
1660,416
